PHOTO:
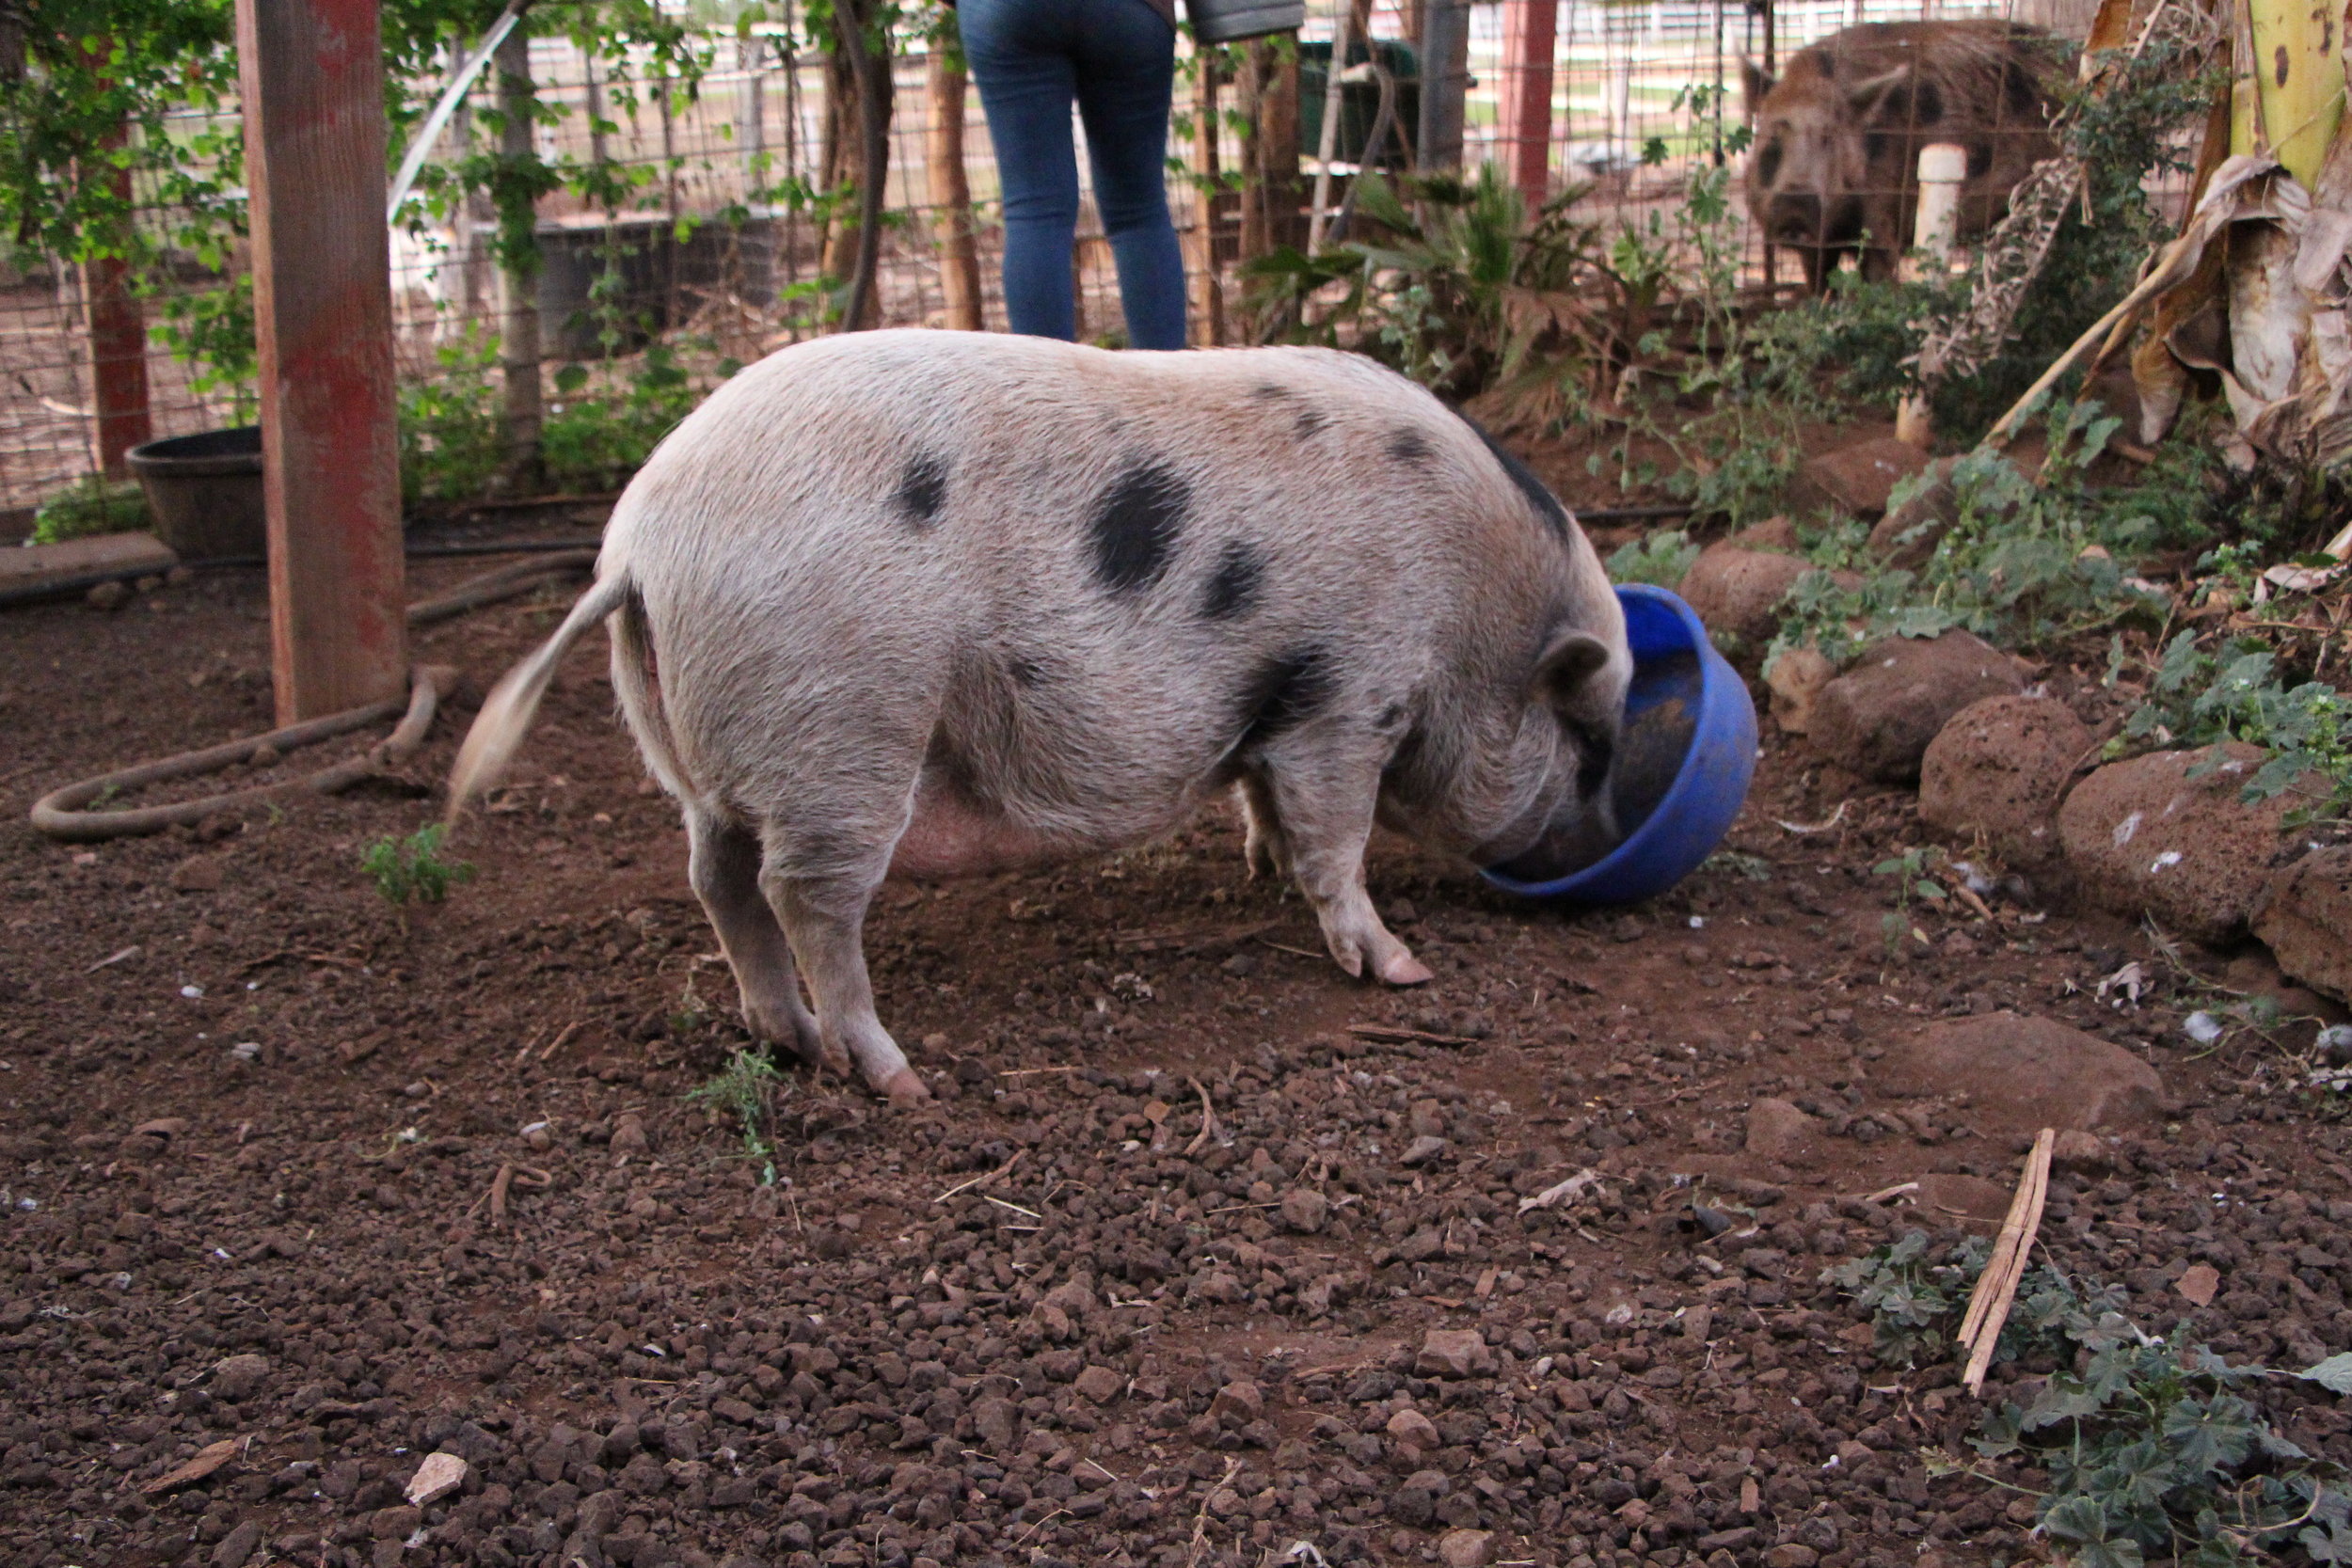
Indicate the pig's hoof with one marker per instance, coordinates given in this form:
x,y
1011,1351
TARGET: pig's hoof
x,y
1402,968
903,1087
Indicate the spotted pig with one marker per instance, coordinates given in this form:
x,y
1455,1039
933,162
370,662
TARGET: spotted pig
x,y
932,603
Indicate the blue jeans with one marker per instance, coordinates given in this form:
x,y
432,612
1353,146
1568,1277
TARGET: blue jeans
x,y
1118,59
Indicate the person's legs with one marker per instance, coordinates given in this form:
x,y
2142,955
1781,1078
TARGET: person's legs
x,y
1024,77
1126,70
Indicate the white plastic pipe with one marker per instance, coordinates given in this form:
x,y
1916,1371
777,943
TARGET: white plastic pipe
x,y
462,79
1935,231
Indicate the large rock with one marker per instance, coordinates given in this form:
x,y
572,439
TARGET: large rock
x,y
2305,915
1856,478
1923,516
2144,836
1733,590
2000,768
1794,680
1777,1131
1876,720
2020,1074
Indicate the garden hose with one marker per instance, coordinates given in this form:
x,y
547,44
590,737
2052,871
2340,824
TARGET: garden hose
x,y
64,813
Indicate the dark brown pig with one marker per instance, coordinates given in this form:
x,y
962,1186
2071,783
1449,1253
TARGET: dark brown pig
x,y
1836,165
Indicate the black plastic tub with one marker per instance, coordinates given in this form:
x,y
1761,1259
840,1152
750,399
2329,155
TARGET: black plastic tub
x,y
204,492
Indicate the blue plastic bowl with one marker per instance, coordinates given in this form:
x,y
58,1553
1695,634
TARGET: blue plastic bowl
x,y
1697,809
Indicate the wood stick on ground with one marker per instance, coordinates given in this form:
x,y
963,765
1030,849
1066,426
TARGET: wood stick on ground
x,y
989,1175
557,1044
1208,1120
1393,1034
1996,1291
531,1179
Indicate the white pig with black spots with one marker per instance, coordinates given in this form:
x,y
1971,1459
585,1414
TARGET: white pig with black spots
x,y
933,603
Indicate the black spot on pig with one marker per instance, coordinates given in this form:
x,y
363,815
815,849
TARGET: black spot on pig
x,y
1547,508
1233,589
1136,525
1266,391
1026,672
1282,693
1312,422
1411,448
923,489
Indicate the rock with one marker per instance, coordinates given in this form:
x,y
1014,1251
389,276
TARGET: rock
x,y
1421,1151
1099,1383
1466,1548
1773,533
2020,1072
108,595
2305,914
1304,1210
236,1548
196,874
203,1462
2083,1153
1794,1554
1925,513
1999,768
1795,679
1876,720
2144,836
1415,1431
1733,591
1238,1402
1947,1196
1857,479
1778,1131
437,1478
1074,1297
236,1377
629,1134
1454,1353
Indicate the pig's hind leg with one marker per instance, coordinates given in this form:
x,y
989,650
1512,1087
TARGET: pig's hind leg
x,y
1324,791
820,886
1265,850
723,863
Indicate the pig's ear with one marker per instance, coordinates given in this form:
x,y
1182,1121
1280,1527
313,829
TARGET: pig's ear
x,y
1754,85
1567,666
1865,95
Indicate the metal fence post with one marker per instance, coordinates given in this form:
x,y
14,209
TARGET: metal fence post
x,y
313,79
1531,29
1445,84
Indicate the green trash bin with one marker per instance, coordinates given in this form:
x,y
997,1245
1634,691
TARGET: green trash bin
x,y
1360,101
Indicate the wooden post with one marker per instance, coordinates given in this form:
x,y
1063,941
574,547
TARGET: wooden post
x,y
951,194
118,334
1529,31
1208,288
518,328
1444,84
1270,193
312,77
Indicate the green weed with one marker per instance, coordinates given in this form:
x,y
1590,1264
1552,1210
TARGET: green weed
x,y
1662,558
746,1090
1911,886
2199,698
93,505
2149,1450
411,870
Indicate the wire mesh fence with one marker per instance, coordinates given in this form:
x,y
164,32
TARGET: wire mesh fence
x,y
708,235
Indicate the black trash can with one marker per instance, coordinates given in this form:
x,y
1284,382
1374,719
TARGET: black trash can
x,y
204,492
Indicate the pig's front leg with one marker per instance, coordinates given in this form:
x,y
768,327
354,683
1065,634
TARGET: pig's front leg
x,y
1325,790
823,911
723,863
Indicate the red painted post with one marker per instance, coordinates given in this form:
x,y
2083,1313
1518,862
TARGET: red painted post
x,y
312,74
1529,31
118,343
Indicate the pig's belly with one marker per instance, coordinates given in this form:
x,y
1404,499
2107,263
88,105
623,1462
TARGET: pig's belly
x,y
952,836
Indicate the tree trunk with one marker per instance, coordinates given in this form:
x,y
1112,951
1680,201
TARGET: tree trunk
x,y
846,152
950,191
519,340
1208,288
1269,152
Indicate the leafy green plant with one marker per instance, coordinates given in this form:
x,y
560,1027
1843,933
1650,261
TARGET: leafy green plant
x,y
2024,563
411,870
2149,1449
452,444
1912,884
2199,698
746,1090
92,505
1662,557
595,440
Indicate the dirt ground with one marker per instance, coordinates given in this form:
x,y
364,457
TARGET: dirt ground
x,y
1061,1317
